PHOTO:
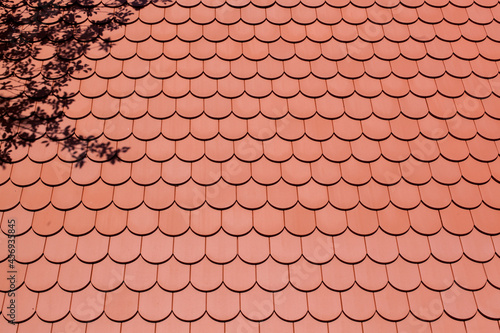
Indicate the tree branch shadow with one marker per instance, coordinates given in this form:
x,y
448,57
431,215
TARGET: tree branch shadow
x,y
41,45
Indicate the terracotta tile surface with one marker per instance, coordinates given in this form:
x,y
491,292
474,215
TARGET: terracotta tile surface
x,y
254,166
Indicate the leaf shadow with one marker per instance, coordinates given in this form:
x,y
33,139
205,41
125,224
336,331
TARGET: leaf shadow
x,y
41,47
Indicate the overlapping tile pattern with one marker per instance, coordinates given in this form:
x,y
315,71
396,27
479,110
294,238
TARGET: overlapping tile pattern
x,y
312,166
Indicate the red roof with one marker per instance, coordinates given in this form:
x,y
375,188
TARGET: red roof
x,y
251,166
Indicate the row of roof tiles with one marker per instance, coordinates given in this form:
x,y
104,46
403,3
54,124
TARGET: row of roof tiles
x,y
328,220
270,68
478,323
284,86
256,304
151,6
376,230
172,275
251,195
442,33
371,131
325,12
411,154
282,50
263,171
356,107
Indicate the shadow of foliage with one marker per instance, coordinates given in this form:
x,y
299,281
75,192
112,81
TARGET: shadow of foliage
x,y
41,45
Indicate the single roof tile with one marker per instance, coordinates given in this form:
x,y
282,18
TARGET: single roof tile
x,y
439,49
343,196
487,301
435,274
350,68
236,172
221,195
121,304
313,196
285,247
339,86
109,67
236,220
447,31
262,218
393,220
60,247
445,246
445,171
413,246
338,275
189,304
221,248
351,300
431,67
124,247
41,275
449,86
478,246
189,247
223,304
392,304
403,275
205,220
469,274
67,196
25,172
140,268
373,195
479,14
257,304
370,275
294,308
100,278
173,275
325,172
413,49
385,172
482,149
206,275
226,14
482,215
34,197
382,247
425,304
282,195
425,220
258,199
74,275
461,127
480,323
435,195
349,247
53,305
404,195
354,172
25,309
457,67
465,194
239,276
365,150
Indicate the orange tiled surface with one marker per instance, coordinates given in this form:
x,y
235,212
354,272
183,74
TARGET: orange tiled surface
x,y
290,167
